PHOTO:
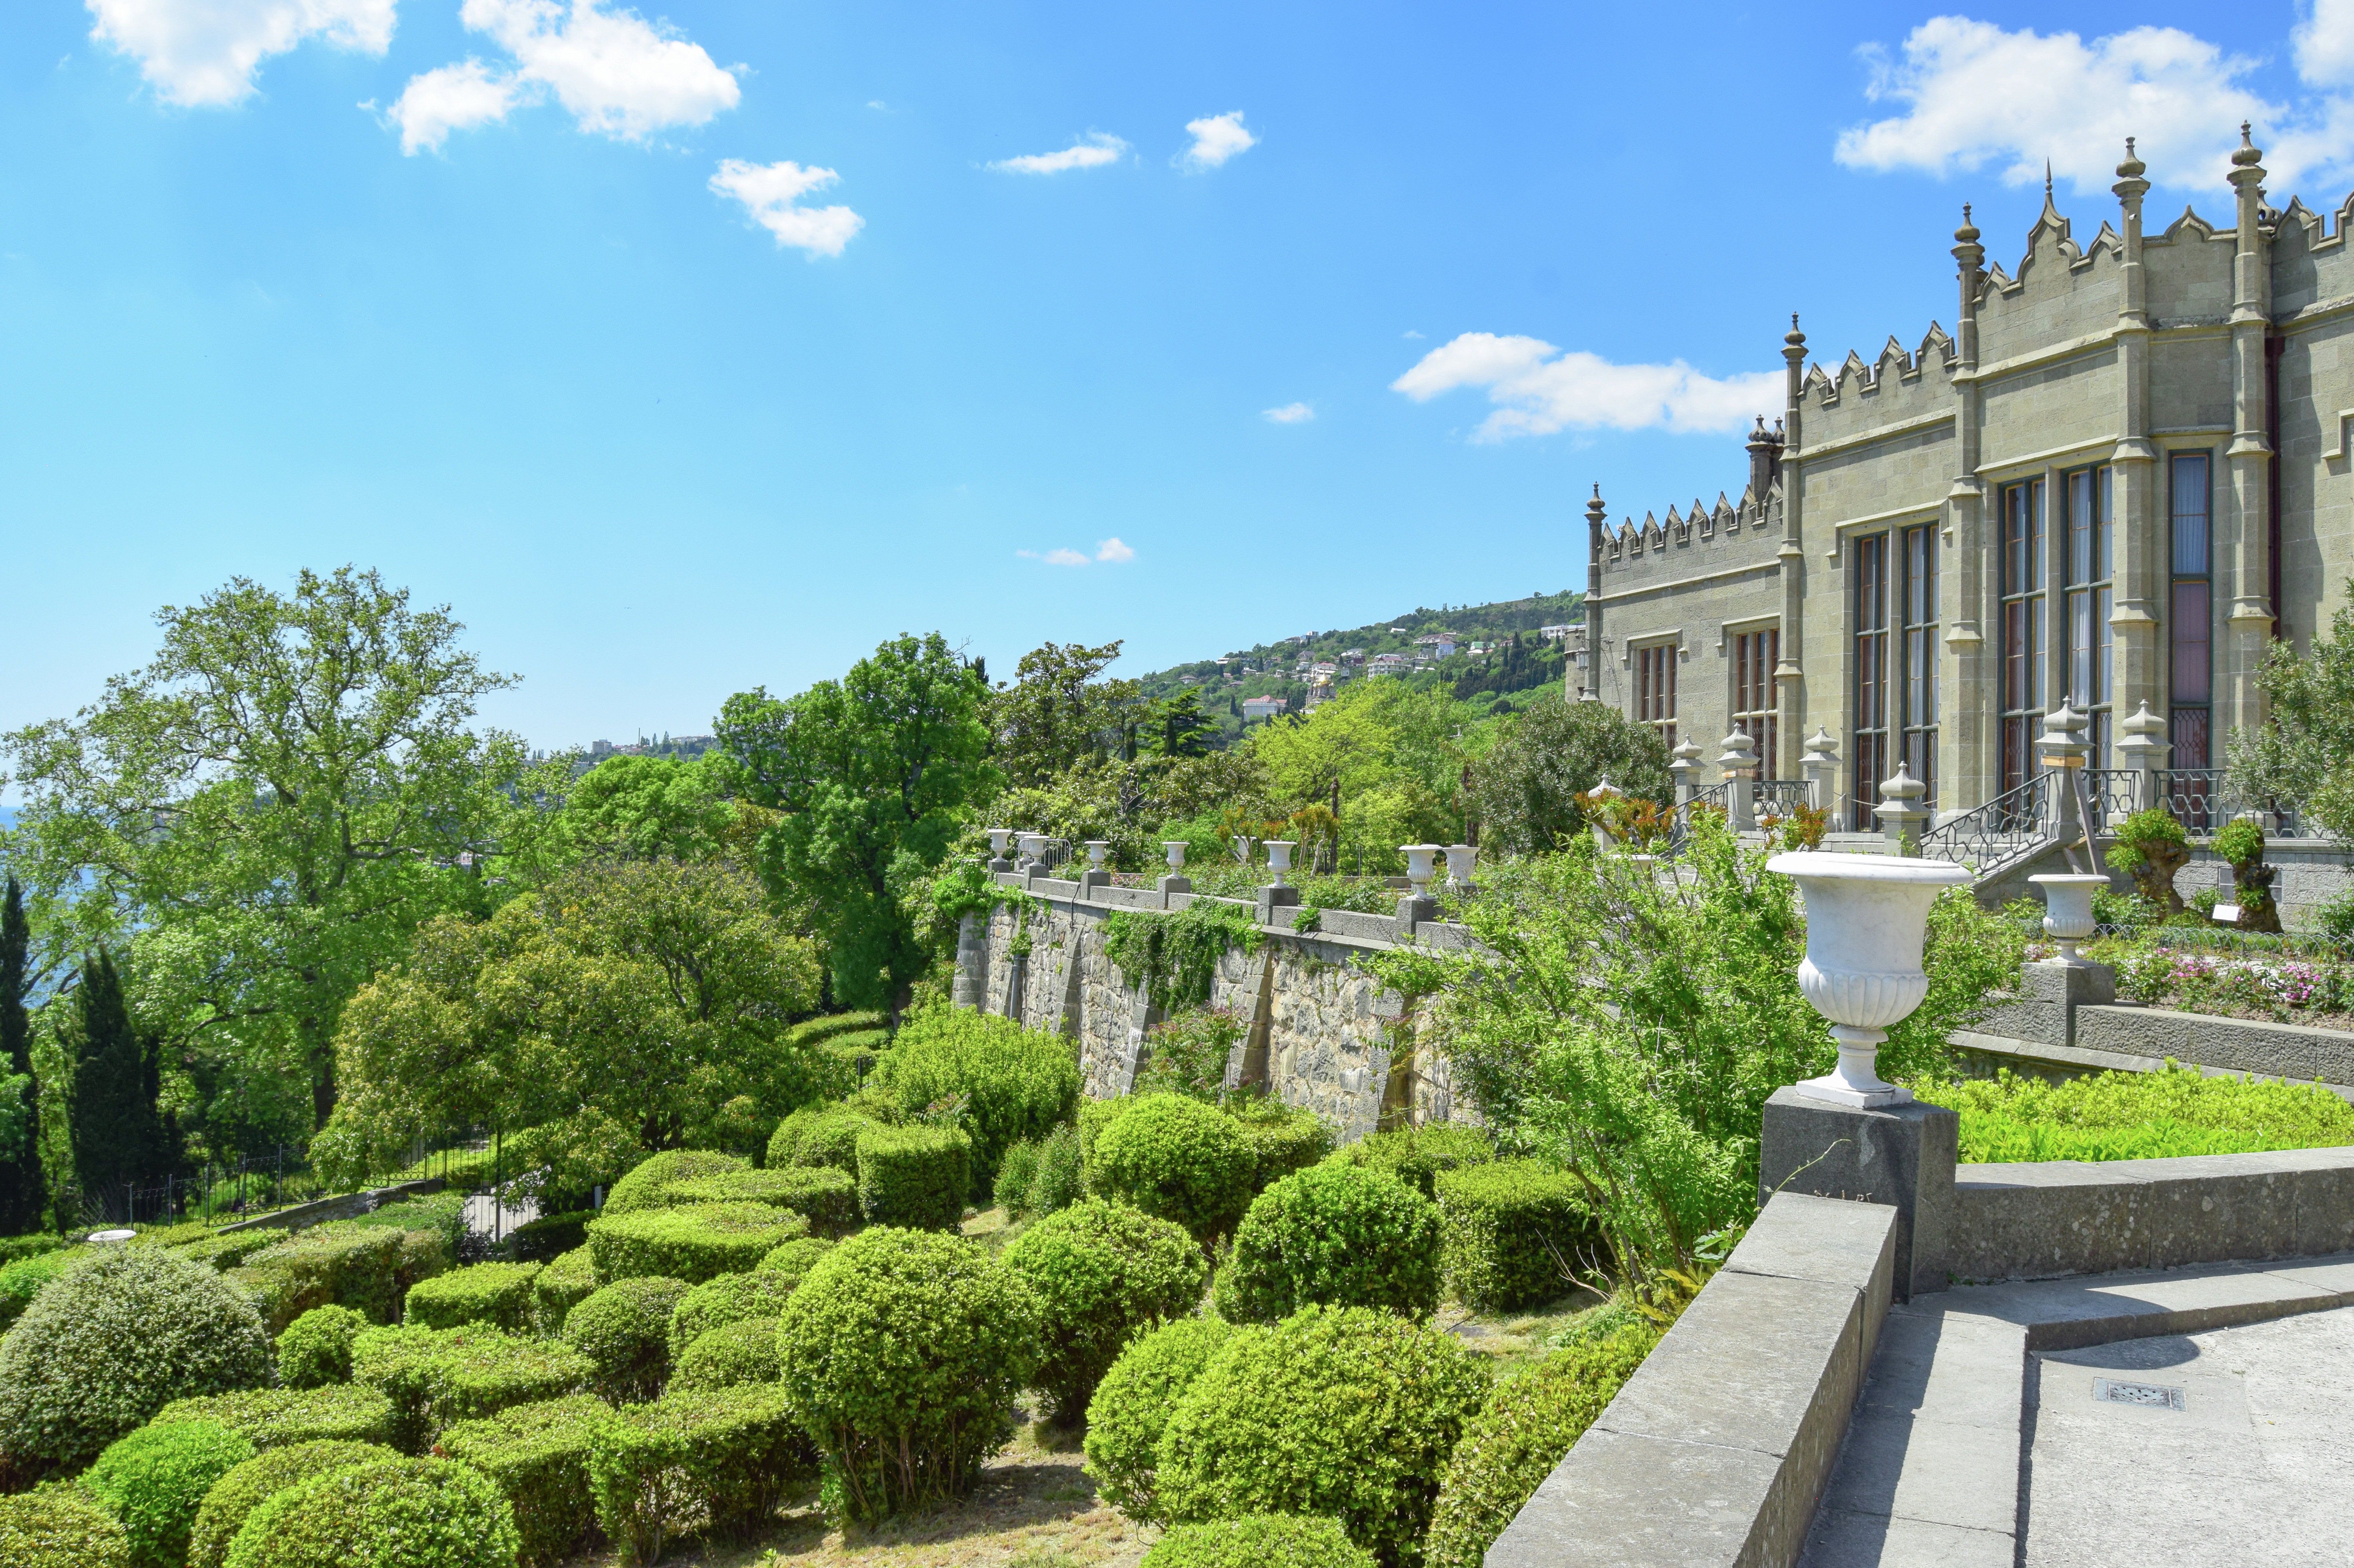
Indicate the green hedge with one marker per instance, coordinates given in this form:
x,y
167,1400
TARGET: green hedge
x,y
21,1281
33,1244
498,1294
1283,1138
437,1377
394,1513
236,1494
820,1135
1100,1272
1259,1541
225,1250
1131,1407
1417,1155
624,1332
1528,1424
154,1480
274,1418
737,1353
61,1526
1345,1235
315,1349
914,1177
549,1236
818,1031
1177,1158
347,1263
1509,1226
693,1244
538,1455
727,1456
1014,1082
733,1297
560,1286
647,1184
826,1196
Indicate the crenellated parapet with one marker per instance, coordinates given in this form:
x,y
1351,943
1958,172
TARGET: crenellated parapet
x,y
1631,545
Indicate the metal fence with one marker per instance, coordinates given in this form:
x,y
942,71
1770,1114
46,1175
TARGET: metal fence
x,y
219,1193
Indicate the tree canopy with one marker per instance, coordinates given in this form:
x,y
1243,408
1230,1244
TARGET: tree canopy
x,y
2304,749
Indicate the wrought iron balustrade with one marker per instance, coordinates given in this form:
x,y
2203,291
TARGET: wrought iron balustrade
x,y
2204,799
2015,822
1780,796
2112,794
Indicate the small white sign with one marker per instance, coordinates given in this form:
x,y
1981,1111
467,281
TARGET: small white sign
x,y
2228,914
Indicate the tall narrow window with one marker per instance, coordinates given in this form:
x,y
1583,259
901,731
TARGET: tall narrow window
x,y
1870,749
1655,688
1917,603
2024,647
1754,654
2187,610
2088,604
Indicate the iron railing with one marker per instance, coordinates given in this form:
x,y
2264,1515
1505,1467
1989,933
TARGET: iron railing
x,y
1780,796
2204,799
2112,794
2013,824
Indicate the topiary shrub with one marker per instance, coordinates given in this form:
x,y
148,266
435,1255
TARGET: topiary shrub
x,y
550,1236
1341,1411
648,1183
1259,1541
236,1494
913,1176
725,1458
1016,1169
225,1250
32,1244
821,1136
2152,847
559,1288
538,1456
61,1526
1179,1159
827,1197
1416,1155
1283,1138
1528,1424
1013,1083
732,1298
693,1244
365,1268
624,1332
742,1352
1510,1227
1347,1236
111,1342
21,1281
1100,1272
1131,1407
1060,1180
154,1480
498,1294
271,1418
901,1352
316,1348
796,1258
393,1513
436,1376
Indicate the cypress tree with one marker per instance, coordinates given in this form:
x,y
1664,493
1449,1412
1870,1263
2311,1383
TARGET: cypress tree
x,y
24,1194
119,1139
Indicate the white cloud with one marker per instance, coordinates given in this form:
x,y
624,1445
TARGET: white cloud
x,y
1216,138
1410,332
450,98
1112,549
1090,151
1289,414
2324,43
769,191
203,53
1537,394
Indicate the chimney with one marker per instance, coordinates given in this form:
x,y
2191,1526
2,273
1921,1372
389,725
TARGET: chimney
x,y
1764,457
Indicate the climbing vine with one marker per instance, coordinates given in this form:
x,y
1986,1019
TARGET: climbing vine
x,y
1175,957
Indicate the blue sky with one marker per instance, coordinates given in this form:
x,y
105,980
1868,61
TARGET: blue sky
x,y
688,349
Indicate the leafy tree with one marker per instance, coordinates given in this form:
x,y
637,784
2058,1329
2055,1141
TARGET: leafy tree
x,y
1177,726
24,1194
119,1135
2304,751
1057,715
870,775
1523,788
648,808
275,804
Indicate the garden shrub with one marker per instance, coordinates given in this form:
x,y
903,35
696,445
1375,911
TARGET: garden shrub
x,y
914,1177
901,1352
1131,1407
722,1460
1013,1083
2152,847
827,1197
113,1341
236,1494
550,1236
625,1330
1178,1159
154,1480
22,1280
820,1135
498,1294
1528,1424
1346,1235
742,1352
1094,1116
223,1251
315,1349
1512,1227
1416,1155
1040,1178
1259,1541
796,1258
647,1184
733,1297
33,1244
1283,1138
1100,1272
1016,1169
560,1286
392,1513
693,1244
437,1377
61,1526
2179,1110
1341,1411
538,1456
367,1267
272,1417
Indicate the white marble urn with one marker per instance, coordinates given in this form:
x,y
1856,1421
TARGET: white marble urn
x,y
1173,851
1097,850
1034,847
1418,867
1867,920
998,838
1279,857
2068,910
1460,858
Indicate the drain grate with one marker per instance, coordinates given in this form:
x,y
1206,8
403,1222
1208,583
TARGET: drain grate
x,y
2154,1395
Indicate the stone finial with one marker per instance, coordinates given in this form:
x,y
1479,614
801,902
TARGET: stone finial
x,y
2047,182
2062,743
1596,513
1900,811
2247,154
1794,337
1968,232
2133,168
1822,749
1740,758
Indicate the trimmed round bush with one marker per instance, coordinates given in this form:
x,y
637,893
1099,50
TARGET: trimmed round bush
x,y
113,1341
820,1135
796,1258
1259,1541
156,1478
435,1377
315,1349
1131,1407
395,1513
648,1183
624,1332
1178,1159
722,1458
1100,1272
693,1244
1342,1411
901,1352
914,1177
1509,1226
1017,1168
560,1286
1284,1138
271,1418
827,1197
1016,1083
498,1294
538,1456
236,1494
22,1280
737,1353
61,1526
1346,1235
1416,1155
1523,1430
731,1299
